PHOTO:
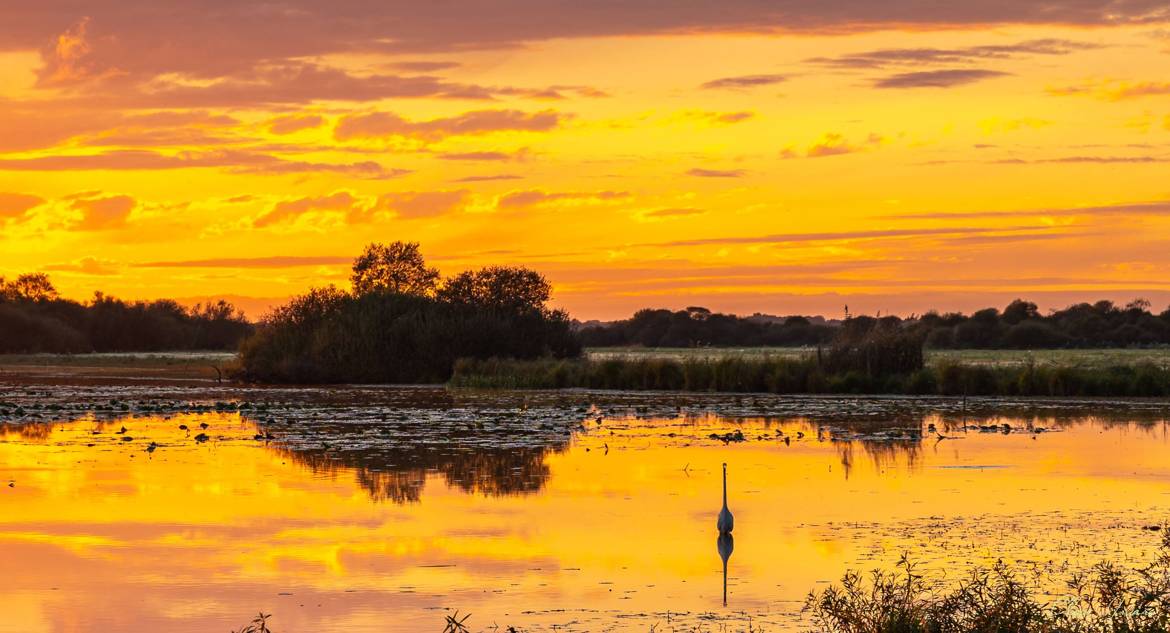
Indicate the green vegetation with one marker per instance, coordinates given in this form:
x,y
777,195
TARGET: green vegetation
x,y
35,319
1106,599
402,325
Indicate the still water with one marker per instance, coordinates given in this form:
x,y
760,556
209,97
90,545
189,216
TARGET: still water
x,y
389,509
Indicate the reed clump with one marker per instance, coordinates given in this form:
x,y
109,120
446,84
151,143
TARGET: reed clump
x,y
1107,598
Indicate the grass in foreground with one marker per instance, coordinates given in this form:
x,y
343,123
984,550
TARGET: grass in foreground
x,y
1105,599
810,376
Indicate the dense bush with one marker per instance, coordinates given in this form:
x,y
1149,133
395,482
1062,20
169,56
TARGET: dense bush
x,y
328,336
404,327
34,319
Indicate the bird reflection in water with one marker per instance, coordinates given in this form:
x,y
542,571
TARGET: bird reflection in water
x,y
725,545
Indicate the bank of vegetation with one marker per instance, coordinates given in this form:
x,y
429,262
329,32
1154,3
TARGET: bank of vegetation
x,y
1020,325
864,357
403,323
34,318
1108,598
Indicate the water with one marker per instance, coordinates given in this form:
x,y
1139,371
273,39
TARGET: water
x,y
390,509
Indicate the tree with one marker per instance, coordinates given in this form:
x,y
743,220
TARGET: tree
x,y
506,288
29,287
396,268
1020,310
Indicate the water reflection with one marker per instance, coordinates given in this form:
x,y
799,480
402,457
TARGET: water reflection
x,y
400,475
725,544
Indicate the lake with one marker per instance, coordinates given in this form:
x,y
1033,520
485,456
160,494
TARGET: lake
x,y
389,509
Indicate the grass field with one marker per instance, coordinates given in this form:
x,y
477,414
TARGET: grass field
x,y
1050,357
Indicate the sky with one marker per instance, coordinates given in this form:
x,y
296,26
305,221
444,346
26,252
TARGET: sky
x,y
746,156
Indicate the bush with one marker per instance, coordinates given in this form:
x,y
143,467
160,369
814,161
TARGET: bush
x,y
329,336
1105,599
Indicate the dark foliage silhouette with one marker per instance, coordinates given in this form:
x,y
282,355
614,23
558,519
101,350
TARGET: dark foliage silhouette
x,y
34,318
378,334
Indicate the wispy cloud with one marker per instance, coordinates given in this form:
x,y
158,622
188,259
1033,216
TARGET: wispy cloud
x,y
700,172
1154,207
276,261
838,236
384,124
1113,90
937,78
888,57
742,82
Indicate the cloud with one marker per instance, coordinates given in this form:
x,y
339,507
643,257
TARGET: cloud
x,y
383,124
937,78
423,204
538,198
489,178
242,162
295,123
519,155
276,261
699,172
138,40
833,144
87,266
1148,208
423,66
884,58
16,205
671,213
1113,90
743,81
789,238
998,125
717,118
291,209
102,212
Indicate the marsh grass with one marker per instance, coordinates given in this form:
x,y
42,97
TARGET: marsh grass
x,y
788,375
1104,599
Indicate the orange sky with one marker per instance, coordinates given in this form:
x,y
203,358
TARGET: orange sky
x,y
785,159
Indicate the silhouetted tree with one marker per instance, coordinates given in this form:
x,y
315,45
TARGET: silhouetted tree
x,y
28,287
397,268
507,288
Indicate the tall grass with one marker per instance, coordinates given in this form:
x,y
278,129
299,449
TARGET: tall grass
x,y
808,376
1106,599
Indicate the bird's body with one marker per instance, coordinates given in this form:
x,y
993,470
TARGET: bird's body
x,y
725,522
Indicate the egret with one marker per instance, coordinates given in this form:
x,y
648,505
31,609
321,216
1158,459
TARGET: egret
x,y
726,522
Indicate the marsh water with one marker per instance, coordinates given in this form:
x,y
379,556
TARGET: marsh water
x,y
388,509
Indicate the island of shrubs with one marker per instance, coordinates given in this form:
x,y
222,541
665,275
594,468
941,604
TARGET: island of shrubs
x,y
35,319
403,323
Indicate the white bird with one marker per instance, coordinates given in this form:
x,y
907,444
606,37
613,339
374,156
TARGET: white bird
x,y
726,522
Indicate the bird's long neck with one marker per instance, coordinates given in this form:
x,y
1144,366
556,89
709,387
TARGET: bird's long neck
x,y
724,486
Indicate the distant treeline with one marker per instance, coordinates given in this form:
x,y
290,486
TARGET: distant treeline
x,y
1018,326
402,323
35,319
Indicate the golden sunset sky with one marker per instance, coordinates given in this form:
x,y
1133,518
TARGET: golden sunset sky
x,y
783,157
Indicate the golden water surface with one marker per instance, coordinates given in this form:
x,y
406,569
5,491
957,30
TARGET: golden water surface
x,y
612,529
